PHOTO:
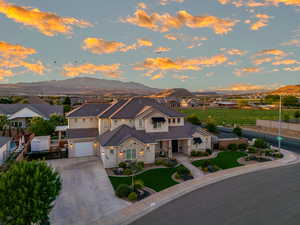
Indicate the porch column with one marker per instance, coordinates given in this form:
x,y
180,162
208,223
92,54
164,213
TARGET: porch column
x,y
59,135
170,149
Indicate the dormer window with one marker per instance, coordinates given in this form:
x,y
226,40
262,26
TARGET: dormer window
x,y
174,120
157,122
178,120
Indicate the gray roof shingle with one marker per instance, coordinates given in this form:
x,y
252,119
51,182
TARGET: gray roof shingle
x,y
43,109
122,133
82,133
88,109
131,108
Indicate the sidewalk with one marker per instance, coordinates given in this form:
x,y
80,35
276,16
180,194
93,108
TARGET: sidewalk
x,y
129,214
184,160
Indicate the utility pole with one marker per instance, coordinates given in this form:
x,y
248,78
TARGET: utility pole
x,y
279,128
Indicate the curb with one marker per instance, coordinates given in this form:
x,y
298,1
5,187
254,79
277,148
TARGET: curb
x,y
133,212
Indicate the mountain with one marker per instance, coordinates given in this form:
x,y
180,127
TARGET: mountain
x,y
288,90
82,85
175,92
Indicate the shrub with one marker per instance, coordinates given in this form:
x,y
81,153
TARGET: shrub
x,y
252,150
260,143
181,170
242,146
211,127
232,147
177,176
194,119
278,155
138,184
195,153
159,162
132,196
123,165
208,151
127,172
140,165
123,190
170,162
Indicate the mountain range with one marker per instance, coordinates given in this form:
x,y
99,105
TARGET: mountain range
x,y
77,86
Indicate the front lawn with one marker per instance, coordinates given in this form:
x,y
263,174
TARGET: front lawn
x,y
156,179
224,160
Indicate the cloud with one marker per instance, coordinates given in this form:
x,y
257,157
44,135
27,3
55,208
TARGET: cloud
x,y
165,22
111,71
166,2
292,69
262,22
244,87
293,42
181,77
151,65
171,37
157,76
262,60
47,23
286,62
142,5
100,46
246,70
262,3
162,49
12,57
236,52
275,52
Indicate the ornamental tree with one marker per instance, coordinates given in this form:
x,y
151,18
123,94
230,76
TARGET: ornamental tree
x,y
27,193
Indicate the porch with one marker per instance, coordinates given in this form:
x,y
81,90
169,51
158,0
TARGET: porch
x,y
167,148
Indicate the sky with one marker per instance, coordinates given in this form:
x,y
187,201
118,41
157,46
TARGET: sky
x,y
195,44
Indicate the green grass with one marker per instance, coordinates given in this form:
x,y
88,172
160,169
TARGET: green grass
x,y
237,116
224,160
156,179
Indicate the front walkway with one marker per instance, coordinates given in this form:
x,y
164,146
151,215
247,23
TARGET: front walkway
x,y
86,194
185,161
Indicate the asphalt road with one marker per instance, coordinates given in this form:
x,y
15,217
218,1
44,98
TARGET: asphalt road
x,y
287,143
270,197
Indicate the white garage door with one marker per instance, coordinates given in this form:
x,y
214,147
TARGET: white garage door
x,y
84,149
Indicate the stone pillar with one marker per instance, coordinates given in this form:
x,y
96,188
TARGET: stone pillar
x,y
170,149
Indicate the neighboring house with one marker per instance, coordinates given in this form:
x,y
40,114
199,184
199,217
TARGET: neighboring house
x,y
20,114
136,129
5,148
189,103
224,104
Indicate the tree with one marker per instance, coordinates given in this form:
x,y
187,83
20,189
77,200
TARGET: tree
x,y
297,115
67,101
194,119
260,143
41,127
289,101
243,102
27,190
3,122
67,108
271,99
211,127
57,120
238,131
286,117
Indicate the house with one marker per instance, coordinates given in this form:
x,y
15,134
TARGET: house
x,y
224,104
129,130
189,103
5,148
20,114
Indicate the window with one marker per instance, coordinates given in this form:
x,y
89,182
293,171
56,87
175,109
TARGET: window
x,y
174,120
140,123
169,120
178,120
115,122
111,151
157,125
130,154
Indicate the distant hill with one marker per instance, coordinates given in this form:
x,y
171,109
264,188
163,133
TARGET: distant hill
x,y
83,85
288,90
175,92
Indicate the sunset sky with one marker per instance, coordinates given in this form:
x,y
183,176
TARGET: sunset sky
x,y
195,44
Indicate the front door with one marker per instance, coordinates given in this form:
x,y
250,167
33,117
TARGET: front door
x,y
174,145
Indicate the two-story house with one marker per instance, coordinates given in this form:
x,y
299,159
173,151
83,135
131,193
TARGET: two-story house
x,y
136,129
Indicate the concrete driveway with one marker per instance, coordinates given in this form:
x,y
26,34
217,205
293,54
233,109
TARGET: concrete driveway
x,y
86,193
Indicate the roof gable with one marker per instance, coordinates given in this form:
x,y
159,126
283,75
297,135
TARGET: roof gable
x,y
26,112
88,109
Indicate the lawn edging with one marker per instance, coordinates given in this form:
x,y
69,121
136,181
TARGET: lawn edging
x,y
133,212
